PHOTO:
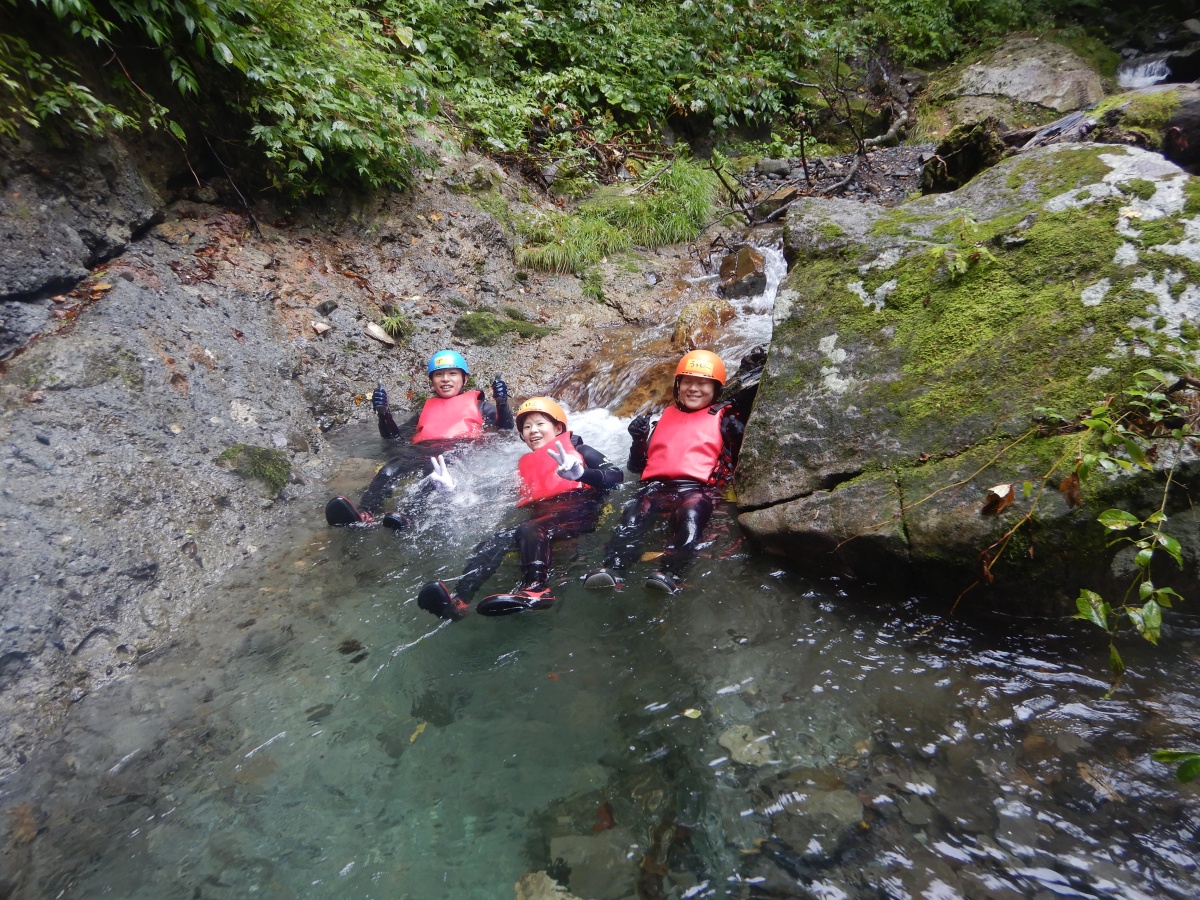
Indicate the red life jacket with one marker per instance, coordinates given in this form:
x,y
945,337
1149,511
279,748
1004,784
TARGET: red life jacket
x,y
539,480
686,445
455,417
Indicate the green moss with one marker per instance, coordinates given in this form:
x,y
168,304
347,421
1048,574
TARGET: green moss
x,y
1059,173
901,222
1091,48
1144,114
1191,193
830,231
270,467
1140,188
487,329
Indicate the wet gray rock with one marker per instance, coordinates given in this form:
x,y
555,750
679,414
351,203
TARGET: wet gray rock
x,y
743,273
66,212
1028,69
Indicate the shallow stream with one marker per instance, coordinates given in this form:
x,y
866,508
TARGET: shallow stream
x,y
758,735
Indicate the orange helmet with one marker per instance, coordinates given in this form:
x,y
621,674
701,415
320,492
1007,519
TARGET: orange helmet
x,y
702,364
544,405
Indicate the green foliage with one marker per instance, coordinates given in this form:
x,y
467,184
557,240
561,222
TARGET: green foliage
x,y
398,326
1187,763
593,285
37,91
1119,437
322,89
671,204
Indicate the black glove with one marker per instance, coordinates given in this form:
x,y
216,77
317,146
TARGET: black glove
x,y
639,428
379,399
499,390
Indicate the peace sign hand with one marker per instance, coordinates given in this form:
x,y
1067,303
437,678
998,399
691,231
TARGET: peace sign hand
x,y
440,475
570,469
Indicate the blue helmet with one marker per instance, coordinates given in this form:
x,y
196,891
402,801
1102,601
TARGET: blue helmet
x,y
447,359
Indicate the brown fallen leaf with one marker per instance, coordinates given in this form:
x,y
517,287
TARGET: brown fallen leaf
x,y
997,499
651,555
1069,487
1103,786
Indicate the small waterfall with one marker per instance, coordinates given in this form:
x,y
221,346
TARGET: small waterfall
x,y
632,373
1143,71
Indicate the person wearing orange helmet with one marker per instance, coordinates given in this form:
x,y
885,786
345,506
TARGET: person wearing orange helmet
x,y
452,416
561,482
684,457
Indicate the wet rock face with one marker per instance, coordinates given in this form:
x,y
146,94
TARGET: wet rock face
x,y
1032,70
913,346
743,273
65,212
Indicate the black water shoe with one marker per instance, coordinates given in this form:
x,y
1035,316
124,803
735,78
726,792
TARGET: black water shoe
x,y
521,600
601,579
436,598
661,581
339,512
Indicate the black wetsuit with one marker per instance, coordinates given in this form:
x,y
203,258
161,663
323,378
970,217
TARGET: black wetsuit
x,y
413,457
689,503
563,516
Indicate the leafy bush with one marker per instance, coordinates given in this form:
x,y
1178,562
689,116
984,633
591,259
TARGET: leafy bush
x,y
322,89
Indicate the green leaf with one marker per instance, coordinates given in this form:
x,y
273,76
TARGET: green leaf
x,y
1118,519
1143,558
1172,756
1092,608
1188,770
1116,666
1027,487
1148,620
1172,547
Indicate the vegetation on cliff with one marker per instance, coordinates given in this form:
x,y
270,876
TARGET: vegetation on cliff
x,y
305,95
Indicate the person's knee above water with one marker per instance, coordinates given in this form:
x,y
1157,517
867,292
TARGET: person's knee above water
x,y
683,458
452,416
561,482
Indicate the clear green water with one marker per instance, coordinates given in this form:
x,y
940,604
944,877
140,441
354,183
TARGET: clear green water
x,y
312,733
261,760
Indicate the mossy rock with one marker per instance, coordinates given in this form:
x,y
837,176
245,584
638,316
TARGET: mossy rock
x,y
914,345
486,328
270,468
962,154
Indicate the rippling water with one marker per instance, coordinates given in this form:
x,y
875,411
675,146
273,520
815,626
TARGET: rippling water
x,y
758,735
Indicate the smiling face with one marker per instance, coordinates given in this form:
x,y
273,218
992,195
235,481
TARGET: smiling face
x,y
447,383
538,429
696,393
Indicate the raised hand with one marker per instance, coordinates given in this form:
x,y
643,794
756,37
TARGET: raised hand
x,y
379,399
440,475
499,390
570,468
639,428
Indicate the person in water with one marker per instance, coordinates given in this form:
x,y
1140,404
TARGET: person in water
x,y
453,415
561,482
684,458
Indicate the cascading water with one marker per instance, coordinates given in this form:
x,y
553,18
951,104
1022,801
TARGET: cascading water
x,y
759,734
1143,71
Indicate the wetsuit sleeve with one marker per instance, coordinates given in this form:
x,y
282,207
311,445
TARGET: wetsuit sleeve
x,y
732,431
638,452
598,471
389,430
498,416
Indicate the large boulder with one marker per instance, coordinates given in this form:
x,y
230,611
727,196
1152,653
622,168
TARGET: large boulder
x,y
915,345
1022,79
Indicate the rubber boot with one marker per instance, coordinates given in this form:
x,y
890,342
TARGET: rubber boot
x,y
663,581
602,579
532,594
436,598
339,512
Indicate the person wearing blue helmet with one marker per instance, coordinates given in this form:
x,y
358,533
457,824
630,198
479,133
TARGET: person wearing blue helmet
x,y
450,417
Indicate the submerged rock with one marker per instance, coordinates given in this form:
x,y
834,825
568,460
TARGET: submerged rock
x,y
699,323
